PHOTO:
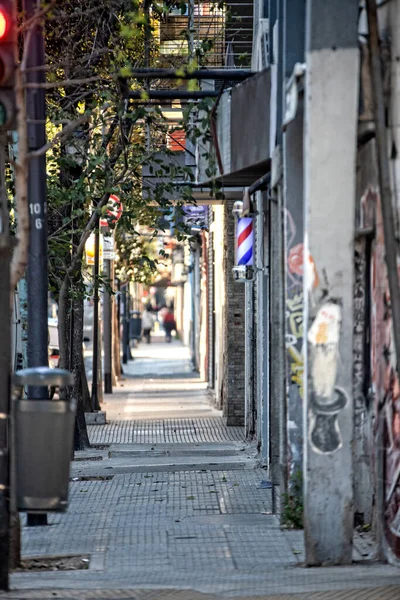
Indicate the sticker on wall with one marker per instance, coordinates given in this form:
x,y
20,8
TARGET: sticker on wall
x,y
327,400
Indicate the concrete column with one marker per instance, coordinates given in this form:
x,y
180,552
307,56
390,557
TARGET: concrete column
x,y
277,339
331,114
293,48
262,308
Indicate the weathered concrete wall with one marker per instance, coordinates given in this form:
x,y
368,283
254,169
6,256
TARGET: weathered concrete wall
x,y
293,53
234,329
277,369
294,261
331,109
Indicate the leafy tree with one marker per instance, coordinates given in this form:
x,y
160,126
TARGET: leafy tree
x,y
90,47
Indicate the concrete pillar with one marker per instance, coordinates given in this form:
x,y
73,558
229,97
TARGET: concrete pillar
x,y
262,309
277,327
331,113
293,47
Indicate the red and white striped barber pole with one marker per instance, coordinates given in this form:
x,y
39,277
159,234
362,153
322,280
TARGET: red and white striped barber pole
x,y
244,242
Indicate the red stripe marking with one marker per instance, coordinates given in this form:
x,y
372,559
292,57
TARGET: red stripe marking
x,y
245,233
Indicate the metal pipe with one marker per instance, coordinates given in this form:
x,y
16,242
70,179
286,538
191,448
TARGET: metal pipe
x,y
260,184
95,357
171,94
222,74
107,328
125,332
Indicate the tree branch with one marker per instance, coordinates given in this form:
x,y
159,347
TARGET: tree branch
x,y
37,16
61,136
64,83
20,254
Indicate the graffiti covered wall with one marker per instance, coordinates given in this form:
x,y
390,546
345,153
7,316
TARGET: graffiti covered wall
x,y
294,259
376,386
385,388
294,342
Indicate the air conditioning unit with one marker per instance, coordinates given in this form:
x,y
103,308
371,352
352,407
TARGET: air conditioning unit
x,y
261,53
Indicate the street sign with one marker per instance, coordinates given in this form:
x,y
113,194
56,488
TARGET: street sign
x,y
114,211
196,216
108,247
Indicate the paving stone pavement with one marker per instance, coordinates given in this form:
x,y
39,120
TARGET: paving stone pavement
x,y
179,531
381,593
208,531
157,431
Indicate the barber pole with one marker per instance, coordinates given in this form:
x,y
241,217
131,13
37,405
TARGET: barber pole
x,y
245,242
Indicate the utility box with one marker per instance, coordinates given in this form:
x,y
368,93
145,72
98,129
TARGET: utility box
x,y
44,432
135,326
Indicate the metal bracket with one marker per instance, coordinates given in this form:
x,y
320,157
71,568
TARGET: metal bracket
x,y
243,273
292,93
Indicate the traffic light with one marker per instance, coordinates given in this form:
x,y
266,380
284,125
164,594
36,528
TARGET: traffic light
x,y
8,56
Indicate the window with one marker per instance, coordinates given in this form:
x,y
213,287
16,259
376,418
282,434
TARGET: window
x,y
176,47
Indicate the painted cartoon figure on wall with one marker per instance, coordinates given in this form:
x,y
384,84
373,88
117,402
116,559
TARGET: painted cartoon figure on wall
x,y
294,338
327,400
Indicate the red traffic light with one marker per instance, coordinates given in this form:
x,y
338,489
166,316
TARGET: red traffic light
x,y
4,22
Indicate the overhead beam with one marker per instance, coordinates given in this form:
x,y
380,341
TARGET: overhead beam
x,y
171,94
224,74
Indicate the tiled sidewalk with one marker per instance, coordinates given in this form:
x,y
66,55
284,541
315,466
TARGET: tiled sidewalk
x,y
159,431
172,505
381,593
210,531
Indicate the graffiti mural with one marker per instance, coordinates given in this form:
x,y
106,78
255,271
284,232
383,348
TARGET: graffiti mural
x,y
384,382
327,400
359,334
294,339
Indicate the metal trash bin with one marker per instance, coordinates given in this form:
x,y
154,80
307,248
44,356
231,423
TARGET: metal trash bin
x,y
43,442
135,326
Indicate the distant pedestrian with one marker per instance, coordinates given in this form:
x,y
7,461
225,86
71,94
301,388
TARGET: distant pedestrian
x,y
147,324
169,325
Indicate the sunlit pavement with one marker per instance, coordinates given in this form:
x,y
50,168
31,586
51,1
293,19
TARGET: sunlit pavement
x,y
171,503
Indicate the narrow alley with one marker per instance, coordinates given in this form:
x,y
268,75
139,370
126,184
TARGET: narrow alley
x,y
170,498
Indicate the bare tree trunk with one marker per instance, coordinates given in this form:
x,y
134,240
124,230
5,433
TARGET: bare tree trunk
x,y
71,357
77,354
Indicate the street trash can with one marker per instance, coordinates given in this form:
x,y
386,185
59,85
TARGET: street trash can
x,y
135,326
43,442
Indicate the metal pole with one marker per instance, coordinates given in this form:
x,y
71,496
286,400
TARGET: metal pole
x,y
95,399
147,41
191,30
124,310
5,366
128,317
107,328
37,258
